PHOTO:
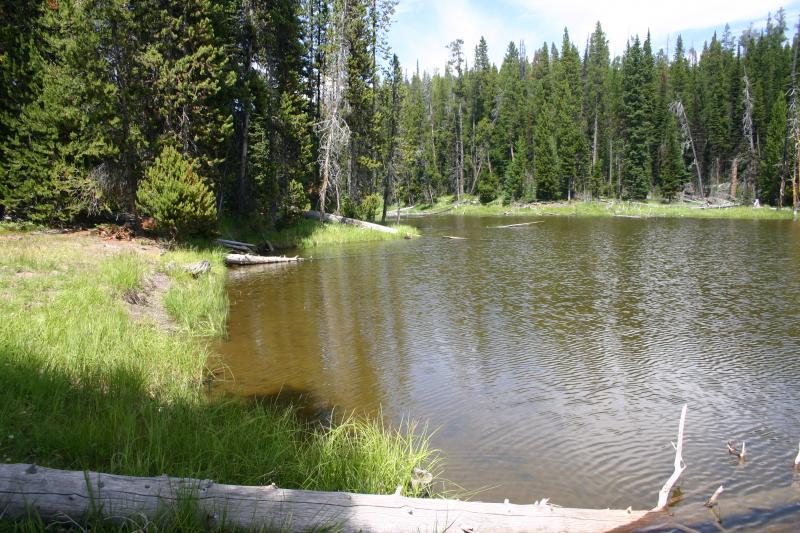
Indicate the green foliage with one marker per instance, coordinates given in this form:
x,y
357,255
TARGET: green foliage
x,y
673,171
487,190
294,203
176,197
638,171
368,207
769,178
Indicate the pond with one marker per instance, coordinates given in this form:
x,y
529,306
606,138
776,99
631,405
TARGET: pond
x,y
552,359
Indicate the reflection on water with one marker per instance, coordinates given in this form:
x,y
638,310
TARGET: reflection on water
x,y
553,358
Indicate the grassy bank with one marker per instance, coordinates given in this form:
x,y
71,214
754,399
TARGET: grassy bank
x,y
87,382
471,206
306,234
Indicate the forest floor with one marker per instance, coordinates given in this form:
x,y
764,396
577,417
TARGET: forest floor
x,y
105,363
606,208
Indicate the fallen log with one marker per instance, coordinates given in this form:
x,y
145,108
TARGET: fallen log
x,y
350,221
69,495
679,465
518,225
454,238
237,246
247,259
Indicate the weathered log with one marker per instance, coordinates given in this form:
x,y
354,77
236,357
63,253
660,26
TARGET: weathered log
x,y
350,221
237,246
454,238
663,496
60,495
518,225
247,259
196,269
797,459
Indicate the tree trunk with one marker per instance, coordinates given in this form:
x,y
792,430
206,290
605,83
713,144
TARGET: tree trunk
x,y
58,495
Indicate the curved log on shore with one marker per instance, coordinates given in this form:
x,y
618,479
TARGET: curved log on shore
x,y
247,259
315,215
60,494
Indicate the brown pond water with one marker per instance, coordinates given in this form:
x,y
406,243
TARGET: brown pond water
x,y
553,359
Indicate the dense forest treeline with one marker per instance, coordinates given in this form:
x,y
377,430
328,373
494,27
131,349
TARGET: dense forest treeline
x,y
273,101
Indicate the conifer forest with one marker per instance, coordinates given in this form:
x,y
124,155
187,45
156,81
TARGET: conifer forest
x,y
271,100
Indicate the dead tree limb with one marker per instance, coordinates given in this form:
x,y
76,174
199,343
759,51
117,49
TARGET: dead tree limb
x,y
680,466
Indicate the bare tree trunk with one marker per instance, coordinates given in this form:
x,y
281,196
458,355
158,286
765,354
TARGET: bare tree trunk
x,y
594,142
677,108
734,177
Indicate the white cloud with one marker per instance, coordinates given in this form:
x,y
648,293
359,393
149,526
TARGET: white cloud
x,y
423,28
425,37
622,19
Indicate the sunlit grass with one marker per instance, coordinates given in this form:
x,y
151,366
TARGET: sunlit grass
x,y
333,233
84,386
471,206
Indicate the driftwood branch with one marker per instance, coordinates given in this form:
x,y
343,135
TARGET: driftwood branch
x,y
60,494
663,496
518,225
351,221
712,501
247,259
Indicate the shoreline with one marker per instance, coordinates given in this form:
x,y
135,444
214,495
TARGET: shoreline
x,y
88,385
446,206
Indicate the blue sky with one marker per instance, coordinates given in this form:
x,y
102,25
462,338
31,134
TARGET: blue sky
x,y
422,28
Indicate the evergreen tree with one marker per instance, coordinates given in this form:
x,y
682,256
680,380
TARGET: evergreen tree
x,y
637,171
672,169
769,178
567,103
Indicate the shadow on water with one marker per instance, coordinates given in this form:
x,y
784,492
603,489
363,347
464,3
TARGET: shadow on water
x,y
305,404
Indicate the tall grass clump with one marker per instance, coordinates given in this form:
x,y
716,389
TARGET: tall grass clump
x,y
331,233
198,305
83,386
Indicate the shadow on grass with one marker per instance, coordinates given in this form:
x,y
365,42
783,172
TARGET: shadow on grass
x,y
113,422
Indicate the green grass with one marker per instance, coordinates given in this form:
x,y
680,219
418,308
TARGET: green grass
x,y
306,233
84,386
471,206
7,227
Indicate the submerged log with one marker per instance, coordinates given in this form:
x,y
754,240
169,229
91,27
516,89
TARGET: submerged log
x,y
350,221
247,259
518,225
61,494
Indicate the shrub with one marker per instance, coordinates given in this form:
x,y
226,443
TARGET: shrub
x,y
486,191
295,203
176,196
368,206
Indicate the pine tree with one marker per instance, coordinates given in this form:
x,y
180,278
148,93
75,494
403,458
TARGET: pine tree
x,y
772,158
637,172
672,169
546,163
567,102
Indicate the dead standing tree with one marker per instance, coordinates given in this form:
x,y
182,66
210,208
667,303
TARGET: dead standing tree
x,y
688,142
334,134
